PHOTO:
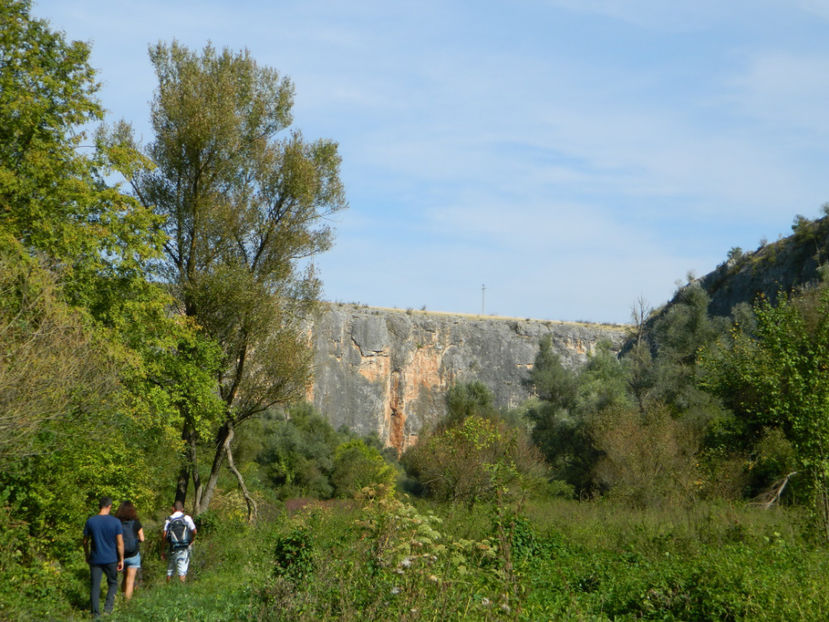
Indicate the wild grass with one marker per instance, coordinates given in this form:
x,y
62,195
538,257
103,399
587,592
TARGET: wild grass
x,y
384,558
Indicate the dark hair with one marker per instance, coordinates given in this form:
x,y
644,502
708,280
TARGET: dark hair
x,y
126,511
179,506
104,502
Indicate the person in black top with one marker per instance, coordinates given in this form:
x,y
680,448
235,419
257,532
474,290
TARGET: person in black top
x,y
133,537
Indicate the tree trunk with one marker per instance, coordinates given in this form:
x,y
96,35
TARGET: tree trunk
x,y
203,498
182,482
190,468
189,465
251,503
194,470
221,440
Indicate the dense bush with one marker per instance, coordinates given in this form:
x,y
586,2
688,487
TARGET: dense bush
x,y
299,454
475,460
468,399
568,401
647,459
296,452
357,465
474,453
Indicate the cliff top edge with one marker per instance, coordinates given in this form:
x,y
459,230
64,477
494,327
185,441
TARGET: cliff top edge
x,y
473,316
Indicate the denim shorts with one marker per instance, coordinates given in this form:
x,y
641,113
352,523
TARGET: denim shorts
x,y
133,562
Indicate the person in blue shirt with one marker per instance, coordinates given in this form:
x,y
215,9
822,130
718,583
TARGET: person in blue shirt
x,y
103,546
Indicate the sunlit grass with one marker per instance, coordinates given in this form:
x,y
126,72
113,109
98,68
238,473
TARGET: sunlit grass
x,y
583,560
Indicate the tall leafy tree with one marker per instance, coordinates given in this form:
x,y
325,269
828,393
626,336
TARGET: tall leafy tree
x,y
559,430
296,452
74,249
468,399
86,380
569,401
46,90
51,364
244,199
678,335
777,376
54,195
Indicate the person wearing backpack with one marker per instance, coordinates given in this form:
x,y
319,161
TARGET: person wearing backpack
x,y
178,534
133,537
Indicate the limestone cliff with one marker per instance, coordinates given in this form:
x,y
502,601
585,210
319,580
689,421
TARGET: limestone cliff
x,y
387,371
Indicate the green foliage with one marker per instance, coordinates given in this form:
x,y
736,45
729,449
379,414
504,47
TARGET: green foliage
x,y
293,554
300,455
387,558
778,377
602,383
297,453
54,197
735,255
570,561
773,456
647,460
569,401
804,229
678,336
47,89
468,399
596,425
523,541
52,364
241,206
553,383
33,586
357,466
475,460
89,376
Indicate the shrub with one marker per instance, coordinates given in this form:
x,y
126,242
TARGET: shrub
x,y
647,459
293,554
356,466
297,453
475,459
466,400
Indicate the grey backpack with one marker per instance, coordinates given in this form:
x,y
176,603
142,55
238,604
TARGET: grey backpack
x,y
179,534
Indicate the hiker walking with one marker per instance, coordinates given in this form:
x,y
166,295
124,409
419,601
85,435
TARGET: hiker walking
x,y
103,547
133,537
178,534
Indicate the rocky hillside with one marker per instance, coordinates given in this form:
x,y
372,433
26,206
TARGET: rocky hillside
x,y
387,371
782,265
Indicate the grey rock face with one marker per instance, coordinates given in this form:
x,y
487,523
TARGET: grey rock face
x,y
387,371
783,265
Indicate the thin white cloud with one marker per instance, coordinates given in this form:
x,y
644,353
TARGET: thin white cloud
x,y
787,90
661,15
573,154
816,7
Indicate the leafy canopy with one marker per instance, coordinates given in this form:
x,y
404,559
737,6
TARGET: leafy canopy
x,y
244,200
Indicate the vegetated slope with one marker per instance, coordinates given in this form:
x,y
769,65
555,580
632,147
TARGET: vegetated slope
x,y
784,265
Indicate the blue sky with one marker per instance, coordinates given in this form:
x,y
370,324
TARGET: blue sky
x,y
572,155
